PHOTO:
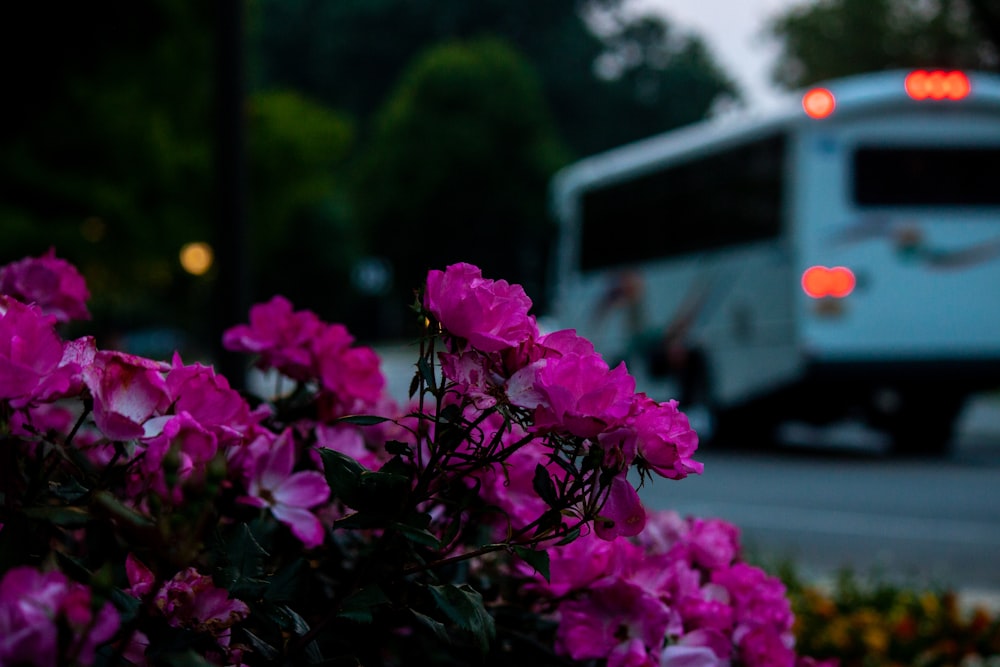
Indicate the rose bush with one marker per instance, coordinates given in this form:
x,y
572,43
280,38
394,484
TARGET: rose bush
x,y
151,515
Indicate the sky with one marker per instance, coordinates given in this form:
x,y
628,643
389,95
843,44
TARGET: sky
x,y
733,30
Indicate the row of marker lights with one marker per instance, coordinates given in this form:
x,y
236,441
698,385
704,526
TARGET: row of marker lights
x,y
921,84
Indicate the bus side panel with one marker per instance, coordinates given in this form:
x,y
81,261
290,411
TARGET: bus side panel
x,y
732,306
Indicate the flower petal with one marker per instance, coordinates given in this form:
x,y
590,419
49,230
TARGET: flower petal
x,y
303,489
303,524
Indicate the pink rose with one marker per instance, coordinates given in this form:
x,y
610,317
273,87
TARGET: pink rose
x,y
574,393
51,283
35,364
666,440
34,605
128,390
281,336
491,315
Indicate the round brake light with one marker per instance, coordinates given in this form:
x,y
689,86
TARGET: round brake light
x,y
818,103
821,281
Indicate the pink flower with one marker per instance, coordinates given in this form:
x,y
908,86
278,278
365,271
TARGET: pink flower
x,y
576,565
33,605
491,315
280,336
189,600
714,543
351,377
288,495
127,390
612,613
665,439
35,364
574,393
762,646
51,283
178,455
208,398
623,514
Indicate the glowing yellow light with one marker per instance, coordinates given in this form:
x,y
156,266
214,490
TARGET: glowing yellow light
x,y
196,258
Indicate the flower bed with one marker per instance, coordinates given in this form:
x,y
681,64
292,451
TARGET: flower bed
x,y
150,514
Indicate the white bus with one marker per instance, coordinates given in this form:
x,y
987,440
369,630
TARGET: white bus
x,y
835,259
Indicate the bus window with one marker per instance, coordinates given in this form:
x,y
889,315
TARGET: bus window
x,y
926,176
727,197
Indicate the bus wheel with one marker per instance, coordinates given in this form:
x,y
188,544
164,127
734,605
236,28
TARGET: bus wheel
x,y
925,424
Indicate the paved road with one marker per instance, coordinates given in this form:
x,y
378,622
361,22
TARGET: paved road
x,y
924,521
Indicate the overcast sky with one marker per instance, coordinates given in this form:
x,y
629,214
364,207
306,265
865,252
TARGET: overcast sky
x,y
733,30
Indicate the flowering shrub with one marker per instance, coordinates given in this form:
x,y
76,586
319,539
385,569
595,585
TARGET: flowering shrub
x,y
877,624
151,515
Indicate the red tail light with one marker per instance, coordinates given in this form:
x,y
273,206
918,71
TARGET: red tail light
x,y
937,85
820,281
818,103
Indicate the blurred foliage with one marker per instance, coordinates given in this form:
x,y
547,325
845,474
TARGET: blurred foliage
x,y
833,38
608,76
302,236
359,134
104,145
875,623
458,166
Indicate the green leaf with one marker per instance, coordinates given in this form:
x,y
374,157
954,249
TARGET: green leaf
x,y
362,420
570,537
397,448
538,559
70,491
418,535
244,563
463,606
287,582
67,517
343,474
359,606
544,486
437,627
427,373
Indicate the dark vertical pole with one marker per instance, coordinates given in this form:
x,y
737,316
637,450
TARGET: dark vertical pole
x,y
231,298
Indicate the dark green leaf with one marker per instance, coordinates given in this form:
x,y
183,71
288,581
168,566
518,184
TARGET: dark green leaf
x,y
360,605
287,582
68,517
343,474
437,627
570,537
260,646
418,535
463,606
536,559
544,486
397,448
70,491
362,420
427,373
244,557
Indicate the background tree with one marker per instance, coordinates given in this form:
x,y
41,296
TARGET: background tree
x,y
834,38
458,166
607,76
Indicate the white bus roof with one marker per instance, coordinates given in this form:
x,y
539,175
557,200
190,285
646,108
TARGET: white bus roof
x,y
862,93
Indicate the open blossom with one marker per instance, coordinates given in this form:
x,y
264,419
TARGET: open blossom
x,y
35,364
350,376
491,314
128,391
33,606
610,614
288,495
53,284
179,454
574,393
280,336
665,439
